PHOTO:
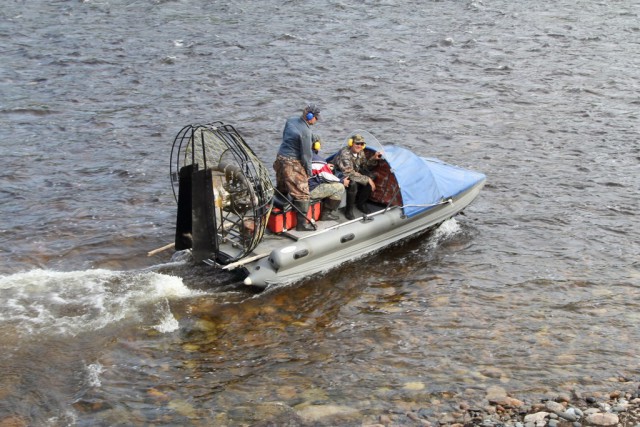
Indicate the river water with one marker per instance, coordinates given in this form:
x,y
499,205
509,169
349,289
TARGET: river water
x,y
536,289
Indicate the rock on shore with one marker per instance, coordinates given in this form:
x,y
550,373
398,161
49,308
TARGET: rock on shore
x,y
619,408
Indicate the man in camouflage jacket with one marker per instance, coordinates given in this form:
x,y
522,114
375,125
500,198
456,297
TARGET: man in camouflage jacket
x,y
354,164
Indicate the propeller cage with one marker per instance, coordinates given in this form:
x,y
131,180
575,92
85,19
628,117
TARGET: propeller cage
x,y
224,193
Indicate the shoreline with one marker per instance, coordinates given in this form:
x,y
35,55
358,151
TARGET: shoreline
x,y
618,407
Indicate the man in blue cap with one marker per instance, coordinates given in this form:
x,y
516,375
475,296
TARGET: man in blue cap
x,y
293,162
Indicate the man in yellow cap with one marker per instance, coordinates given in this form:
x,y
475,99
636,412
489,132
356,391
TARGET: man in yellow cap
x,y
353,163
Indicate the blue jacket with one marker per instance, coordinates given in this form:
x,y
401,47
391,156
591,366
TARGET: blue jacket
x,y
297,139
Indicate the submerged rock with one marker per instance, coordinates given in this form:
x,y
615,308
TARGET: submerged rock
x,y
325,413
603,419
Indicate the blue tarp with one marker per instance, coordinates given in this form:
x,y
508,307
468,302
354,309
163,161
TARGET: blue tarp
x,y
425,182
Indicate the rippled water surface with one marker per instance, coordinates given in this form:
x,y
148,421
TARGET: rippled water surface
x,y
535,289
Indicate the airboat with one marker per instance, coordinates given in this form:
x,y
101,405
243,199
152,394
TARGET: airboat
x,y
230,216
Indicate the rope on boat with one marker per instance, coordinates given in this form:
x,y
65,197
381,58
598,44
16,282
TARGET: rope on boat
x,y
441,202
380,212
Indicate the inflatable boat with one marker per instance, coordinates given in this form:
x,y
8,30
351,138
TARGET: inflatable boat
x,y
230,216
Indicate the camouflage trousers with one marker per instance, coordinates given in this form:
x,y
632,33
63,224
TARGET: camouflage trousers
x,y
331,190
291,177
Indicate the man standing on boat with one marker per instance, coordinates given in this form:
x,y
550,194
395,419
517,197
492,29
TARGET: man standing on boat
x,y
293,162
353,163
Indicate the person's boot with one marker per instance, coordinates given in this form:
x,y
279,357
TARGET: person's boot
x,y
364,192
328,207
303,223
351,201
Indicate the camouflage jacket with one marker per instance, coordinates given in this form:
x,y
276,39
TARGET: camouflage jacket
x,y
355,167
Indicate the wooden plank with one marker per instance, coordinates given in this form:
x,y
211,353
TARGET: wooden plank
x,y
244,261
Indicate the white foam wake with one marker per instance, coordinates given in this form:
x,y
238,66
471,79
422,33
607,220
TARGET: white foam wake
x,y
68,303
93,374
447,229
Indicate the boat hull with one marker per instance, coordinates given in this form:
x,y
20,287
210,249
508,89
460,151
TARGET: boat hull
x,y
325,250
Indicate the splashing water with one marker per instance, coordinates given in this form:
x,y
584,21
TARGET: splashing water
x,y
93,374
447,229
68,303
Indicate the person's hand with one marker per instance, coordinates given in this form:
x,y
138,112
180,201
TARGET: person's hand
x,y
346,181
377,155
372,184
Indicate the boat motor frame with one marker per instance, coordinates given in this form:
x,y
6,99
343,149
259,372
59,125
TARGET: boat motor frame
x,y
223,191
